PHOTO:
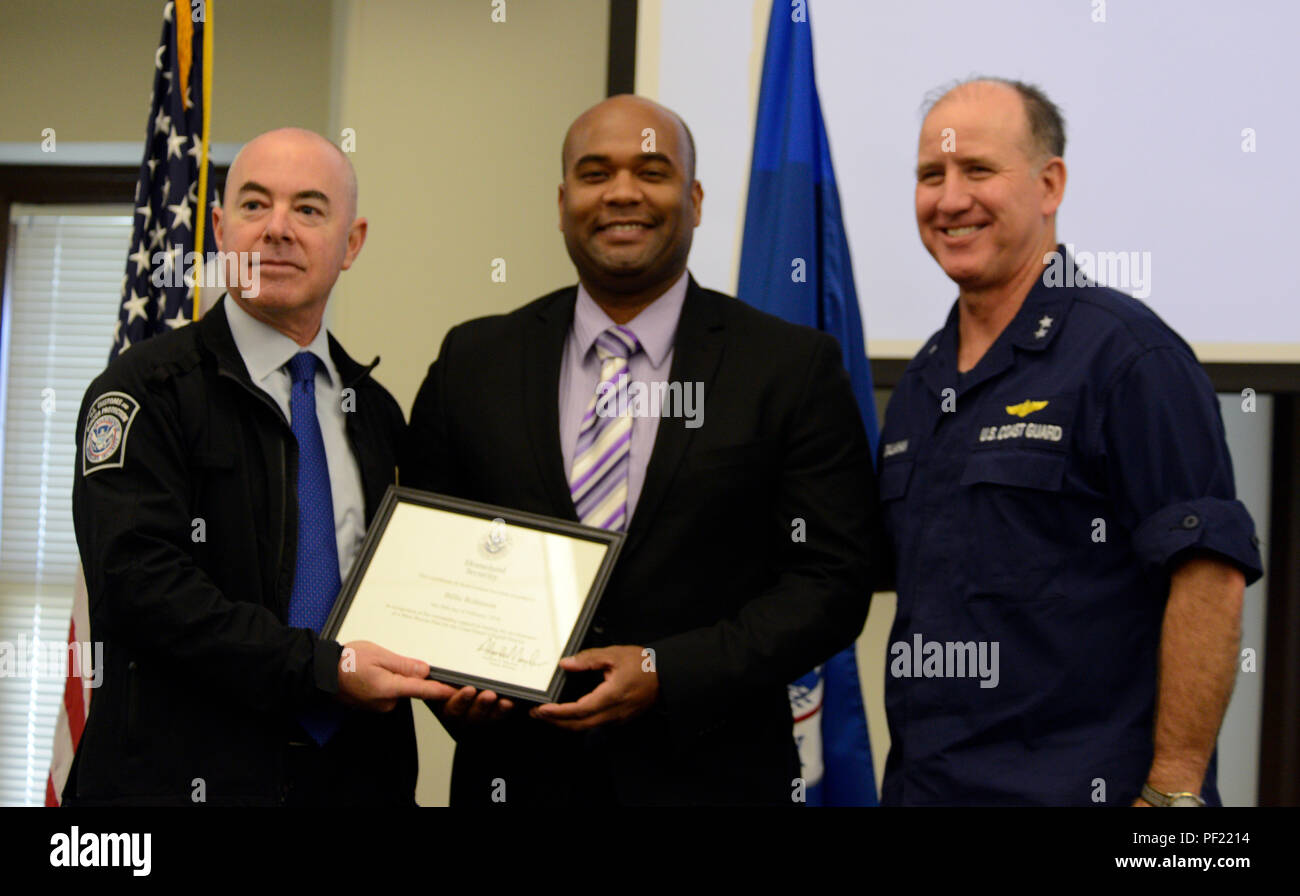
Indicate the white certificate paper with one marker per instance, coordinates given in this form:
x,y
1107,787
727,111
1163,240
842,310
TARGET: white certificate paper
x,y
485,599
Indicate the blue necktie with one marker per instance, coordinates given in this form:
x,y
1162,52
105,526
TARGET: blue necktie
x,y
316,580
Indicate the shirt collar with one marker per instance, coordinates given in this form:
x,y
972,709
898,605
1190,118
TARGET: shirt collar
x,y
265,349
655,327
1040,318
1043,313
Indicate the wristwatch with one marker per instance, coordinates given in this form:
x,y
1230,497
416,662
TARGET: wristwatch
x,y
1157,798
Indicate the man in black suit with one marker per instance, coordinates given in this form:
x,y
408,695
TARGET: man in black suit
x,y
749,506
225,475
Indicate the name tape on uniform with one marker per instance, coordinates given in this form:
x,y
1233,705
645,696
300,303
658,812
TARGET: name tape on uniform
x,y
1047,432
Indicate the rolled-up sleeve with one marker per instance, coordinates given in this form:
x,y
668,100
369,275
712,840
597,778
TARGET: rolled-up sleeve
x,y
1210,524
1168,462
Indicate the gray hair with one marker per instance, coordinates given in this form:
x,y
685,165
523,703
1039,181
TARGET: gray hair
x,y
1046,124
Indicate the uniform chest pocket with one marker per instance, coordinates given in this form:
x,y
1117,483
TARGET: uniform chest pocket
x,y
212,446
893,479
214,471
1021,529
217,495
896,459
1022,469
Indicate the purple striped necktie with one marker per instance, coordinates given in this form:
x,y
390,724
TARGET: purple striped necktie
x,y
598,481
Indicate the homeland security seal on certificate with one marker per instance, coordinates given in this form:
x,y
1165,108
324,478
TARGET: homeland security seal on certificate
x,y
497,540
108,423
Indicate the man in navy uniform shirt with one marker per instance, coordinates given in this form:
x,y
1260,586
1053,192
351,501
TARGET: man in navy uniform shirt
x,y
1069,553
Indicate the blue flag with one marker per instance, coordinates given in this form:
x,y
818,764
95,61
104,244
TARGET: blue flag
x,y
795,263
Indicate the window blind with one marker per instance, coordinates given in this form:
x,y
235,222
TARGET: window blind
x,y
64,276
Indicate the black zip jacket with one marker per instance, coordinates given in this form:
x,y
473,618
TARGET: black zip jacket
x,y
185,506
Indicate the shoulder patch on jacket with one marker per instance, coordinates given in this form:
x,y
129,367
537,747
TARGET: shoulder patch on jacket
x,y
108,423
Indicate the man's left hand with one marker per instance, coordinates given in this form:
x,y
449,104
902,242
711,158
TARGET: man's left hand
x,y
631,686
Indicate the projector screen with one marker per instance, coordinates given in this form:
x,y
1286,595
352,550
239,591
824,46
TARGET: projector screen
x,y
1179,116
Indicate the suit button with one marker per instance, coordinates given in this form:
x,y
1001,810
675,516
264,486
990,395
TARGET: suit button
x,y
1191,521
598,629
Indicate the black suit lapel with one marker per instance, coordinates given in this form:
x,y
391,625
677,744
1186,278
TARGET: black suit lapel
x,y
697,349
543,352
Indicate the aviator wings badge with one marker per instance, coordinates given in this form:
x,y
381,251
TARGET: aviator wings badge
x,y
1025,408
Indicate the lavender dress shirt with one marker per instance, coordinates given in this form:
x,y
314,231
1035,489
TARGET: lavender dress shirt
x,y
655,328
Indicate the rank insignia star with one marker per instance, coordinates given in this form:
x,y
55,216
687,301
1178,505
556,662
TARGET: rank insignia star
x,y
1042,327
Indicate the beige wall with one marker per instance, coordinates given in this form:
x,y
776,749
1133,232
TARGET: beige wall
x,y
81,67
458,123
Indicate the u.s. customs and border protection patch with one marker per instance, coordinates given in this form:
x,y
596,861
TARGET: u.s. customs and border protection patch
x,y
108,423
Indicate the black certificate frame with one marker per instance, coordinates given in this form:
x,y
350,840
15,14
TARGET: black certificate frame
x,y
490,513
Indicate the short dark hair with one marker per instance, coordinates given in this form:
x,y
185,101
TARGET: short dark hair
x,y
690,148
1046,123
690,144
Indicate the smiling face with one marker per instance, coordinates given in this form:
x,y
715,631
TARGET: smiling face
x,y
291,197
628,209
985,200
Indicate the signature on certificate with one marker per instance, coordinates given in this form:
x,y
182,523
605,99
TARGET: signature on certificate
x,y
514,654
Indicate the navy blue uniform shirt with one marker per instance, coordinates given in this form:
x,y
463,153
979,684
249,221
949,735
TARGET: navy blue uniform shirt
x,y
1036,506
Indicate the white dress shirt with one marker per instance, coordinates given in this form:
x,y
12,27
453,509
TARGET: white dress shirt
x,y
266,351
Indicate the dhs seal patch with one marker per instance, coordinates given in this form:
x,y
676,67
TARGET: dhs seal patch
x,y
108,423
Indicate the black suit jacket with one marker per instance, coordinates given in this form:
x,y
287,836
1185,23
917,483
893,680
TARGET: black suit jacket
x,y
203,678
714,576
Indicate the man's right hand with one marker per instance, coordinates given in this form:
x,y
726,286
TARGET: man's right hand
x,y
373,678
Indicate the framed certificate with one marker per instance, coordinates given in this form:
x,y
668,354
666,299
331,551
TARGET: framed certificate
x,y
487,596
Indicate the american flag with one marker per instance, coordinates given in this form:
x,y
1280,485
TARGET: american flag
x,y
174,175
167,196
